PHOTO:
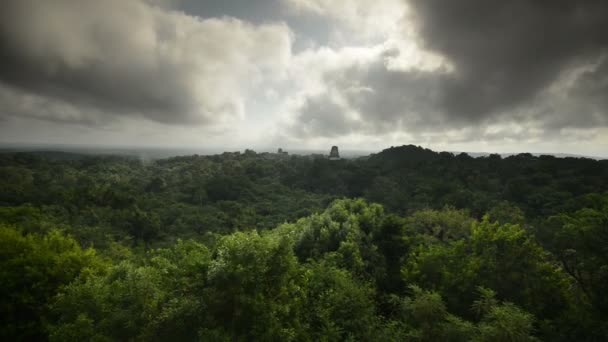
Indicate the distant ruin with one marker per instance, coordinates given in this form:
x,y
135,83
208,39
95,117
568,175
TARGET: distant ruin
x,y
334,154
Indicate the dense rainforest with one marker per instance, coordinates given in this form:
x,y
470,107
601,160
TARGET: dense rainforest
x,y
403,245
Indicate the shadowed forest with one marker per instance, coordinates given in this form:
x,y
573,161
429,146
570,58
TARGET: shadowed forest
x,y
404,245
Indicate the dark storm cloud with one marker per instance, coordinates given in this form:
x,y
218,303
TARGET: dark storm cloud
x,y
48,59
506,52
592,93
391,99
86,61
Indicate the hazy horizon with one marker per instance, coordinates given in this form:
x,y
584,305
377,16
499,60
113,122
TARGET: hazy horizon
x,y
156,152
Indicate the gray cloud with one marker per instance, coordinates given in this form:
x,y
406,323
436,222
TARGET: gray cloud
x,y
591,93
104,59
391,99
509,61
383,101
323,116
506,52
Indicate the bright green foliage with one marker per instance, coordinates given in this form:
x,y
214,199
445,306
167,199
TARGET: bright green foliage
x,y
502,257
33,268
136,302
343,235
509,261
430,320
581,244
485,302
506,323
337,307
119,306
444,225
501,322
253,288
579,240
505,212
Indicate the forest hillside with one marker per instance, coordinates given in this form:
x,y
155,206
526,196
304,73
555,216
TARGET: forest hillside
x,y
406,244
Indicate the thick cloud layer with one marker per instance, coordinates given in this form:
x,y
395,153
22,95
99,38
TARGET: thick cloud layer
x,y
537,63
505,52
86,61
305,72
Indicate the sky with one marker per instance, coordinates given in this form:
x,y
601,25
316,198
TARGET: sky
x,y
467,75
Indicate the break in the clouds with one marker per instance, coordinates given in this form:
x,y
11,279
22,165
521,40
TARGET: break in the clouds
x,y
308,72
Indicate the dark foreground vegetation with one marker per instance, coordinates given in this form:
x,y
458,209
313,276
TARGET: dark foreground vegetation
x,y
406,245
